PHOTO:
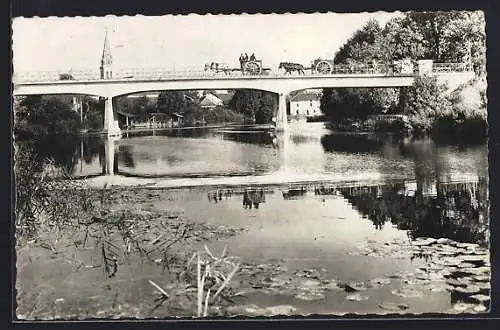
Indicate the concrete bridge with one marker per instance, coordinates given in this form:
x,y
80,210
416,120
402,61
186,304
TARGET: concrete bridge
x,y
131,81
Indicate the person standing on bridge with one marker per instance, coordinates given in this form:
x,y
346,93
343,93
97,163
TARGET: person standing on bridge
x,y
245,58
252,57
242,58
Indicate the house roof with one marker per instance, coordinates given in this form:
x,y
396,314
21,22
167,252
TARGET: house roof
x,y
211,99
225,97
305,97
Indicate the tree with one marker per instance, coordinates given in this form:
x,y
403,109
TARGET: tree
x,y
257,106
38,116
464,40
424,102
359,46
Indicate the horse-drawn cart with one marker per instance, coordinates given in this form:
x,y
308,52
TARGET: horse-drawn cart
x,y
322,66
252,68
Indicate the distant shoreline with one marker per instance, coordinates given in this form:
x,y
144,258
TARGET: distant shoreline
x,y
151,129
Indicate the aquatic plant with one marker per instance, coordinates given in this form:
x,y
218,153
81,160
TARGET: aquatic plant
x,y
40,200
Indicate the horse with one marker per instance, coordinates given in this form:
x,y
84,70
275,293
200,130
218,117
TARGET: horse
x,y
289,67
218,67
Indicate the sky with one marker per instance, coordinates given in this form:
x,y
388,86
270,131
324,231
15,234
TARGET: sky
x,y
76,43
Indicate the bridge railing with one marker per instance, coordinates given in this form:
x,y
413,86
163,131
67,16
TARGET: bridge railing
x,y
56,75
450,67
199,72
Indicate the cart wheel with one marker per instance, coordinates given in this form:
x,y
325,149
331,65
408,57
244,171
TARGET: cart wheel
x,y
253,68
324,67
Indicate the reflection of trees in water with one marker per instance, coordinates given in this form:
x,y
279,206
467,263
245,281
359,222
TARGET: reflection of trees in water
x,y
60,151
294,193
351,143
93,146
125,155
458,211
64,152
217,195
262,138
253,197
299,138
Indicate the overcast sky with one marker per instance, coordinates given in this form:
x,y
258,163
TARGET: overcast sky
x,y
192,40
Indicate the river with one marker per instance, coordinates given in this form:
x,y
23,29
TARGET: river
x,y
422,190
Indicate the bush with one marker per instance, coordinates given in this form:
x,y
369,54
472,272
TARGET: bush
x,y
36,116
424,102
40,200
223,115
94,121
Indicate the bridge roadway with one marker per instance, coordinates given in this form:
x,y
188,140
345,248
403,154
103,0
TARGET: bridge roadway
x,y
129,82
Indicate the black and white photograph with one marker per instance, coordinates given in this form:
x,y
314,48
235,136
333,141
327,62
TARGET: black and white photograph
x,y
251,165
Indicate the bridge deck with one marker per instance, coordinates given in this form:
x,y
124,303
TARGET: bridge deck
x,y
195,73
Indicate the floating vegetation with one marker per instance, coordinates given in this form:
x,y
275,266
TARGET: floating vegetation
x,y
408,293
356,297
394,306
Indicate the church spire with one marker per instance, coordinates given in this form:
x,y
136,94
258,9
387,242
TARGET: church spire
x,y
106,59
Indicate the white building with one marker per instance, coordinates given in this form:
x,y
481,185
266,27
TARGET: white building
x,y
305,105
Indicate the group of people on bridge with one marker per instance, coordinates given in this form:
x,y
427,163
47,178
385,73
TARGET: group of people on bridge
x,y
244,58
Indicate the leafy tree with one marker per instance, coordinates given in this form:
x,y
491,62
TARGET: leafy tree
x,y
38,116
432,25
359,46
175,101
464,40
257,106
424,102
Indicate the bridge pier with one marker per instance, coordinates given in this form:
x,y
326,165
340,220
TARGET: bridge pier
x,y
281,117
110,124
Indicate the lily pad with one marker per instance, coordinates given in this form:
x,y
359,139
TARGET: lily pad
x,y
278,282
454,282
356,297
310,295
254,310
332,285
480,308
310,283
407,293
444,241
466,265
461,307
481,278
476,270
470,289
470,246
439,287
436,277
394,306
424,242
447,253
380,281
280,310
481,297
472,258
353,287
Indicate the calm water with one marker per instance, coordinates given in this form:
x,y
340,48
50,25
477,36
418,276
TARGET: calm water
x,y
428,190
309,149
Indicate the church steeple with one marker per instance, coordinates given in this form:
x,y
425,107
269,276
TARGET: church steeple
x,y
106,59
